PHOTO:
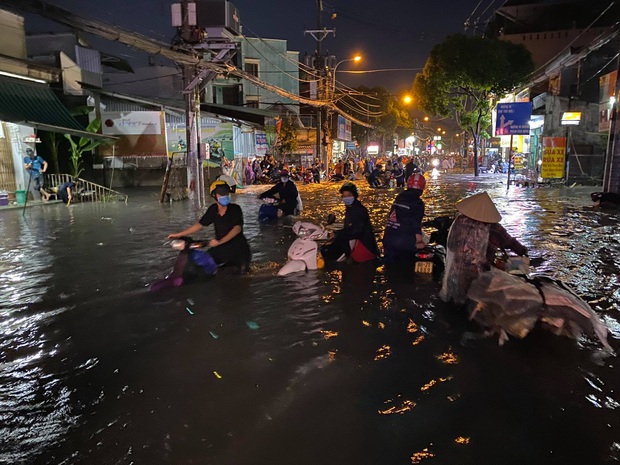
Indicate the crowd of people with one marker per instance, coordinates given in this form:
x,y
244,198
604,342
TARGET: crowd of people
x,y
474,243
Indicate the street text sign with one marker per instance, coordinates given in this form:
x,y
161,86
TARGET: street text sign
x,y
513,119
553,158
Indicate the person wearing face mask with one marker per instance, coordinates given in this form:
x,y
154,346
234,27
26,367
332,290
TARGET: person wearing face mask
x,y
230,247
357,238
286,193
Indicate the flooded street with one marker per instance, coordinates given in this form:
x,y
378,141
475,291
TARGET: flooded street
x,y
340,366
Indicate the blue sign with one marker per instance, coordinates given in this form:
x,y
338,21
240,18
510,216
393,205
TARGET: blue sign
x,y
350,146
513,119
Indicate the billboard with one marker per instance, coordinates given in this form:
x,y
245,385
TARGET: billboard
x,y
553,157
140,133
344,128
131,123
218,135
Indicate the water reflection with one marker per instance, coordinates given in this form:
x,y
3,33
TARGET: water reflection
x,y
344,365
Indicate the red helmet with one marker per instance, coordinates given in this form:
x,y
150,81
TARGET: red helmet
x,y
416,181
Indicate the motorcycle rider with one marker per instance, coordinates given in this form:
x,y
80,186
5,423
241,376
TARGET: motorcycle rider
x,y
286,192
357,238
230,247
403,233
474,240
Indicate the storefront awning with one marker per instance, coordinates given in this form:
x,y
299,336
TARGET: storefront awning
x,y
251,115
35,104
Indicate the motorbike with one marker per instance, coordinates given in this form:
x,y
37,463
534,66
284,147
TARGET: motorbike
x,y
268,211
431,260
303,254
191,263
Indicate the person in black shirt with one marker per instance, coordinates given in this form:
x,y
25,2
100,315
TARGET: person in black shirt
x,y
357,238
230,247
286,192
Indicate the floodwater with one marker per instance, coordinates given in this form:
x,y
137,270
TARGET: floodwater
x,y
341,366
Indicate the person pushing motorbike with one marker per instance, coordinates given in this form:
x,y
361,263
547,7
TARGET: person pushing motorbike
x,y
357,238
285,192
230,247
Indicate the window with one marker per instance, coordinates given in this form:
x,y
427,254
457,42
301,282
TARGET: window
x,y
252,101
251,67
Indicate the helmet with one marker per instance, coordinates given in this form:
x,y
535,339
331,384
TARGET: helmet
x,y
219,187
349,186
416,181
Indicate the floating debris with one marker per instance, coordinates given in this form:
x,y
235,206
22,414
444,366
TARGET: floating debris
x,y
433,382
189,310
190,301
328,334
462,440
213,335
381,325
405,406
448,358
252,325
383,352
217,375
412,327
332,355
419,339
366,323
422,455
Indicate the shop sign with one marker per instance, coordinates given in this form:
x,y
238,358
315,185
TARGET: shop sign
x,y
373,150
553,157
571,118
32,139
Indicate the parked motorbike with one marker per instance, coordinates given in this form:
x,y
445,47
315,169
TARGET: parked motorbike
x,y
303,254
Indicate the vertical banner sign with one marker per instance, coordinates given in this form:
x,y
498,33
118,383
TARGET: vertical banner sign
x,y
553,157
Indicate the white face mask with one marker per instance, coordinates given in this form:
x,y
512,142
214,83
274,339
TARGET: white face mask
x,y
283,179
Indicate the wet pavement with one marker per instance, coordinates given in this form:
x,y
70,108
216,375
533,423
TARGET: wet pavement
x,y
340,366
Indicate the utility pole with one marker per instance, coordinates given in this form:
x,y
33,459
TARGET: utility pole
x,y
319,34
611,174
195,183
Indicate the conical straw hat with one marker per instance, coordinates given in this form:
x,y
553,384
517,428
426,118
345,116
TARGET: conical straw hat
x,y
479,207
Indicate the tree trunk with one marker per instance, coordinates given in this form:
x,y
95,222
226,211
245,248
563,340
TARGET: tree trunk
x,y
476,173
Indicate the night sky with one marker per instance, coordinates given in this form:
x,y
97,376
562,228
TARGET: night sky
x,y
388,33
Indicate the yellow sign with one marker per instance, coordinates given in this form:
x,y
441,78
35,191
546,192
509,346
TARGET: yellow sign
x,y
553,157
571,118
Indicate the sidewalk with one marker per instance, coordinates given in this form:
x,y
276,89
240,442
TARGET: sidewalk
x,y
31,203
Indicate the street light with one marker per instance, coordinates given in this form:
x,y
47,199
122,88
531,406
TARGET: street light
x,y
407,99
356,59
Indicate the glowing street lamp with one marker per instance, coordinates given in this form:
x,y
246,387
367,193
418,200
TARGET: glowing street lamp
x,y
356,59
407,99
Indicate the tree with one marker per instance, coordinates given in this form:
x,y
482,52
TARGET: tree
x,y
80,146
288,136
463,74
54,144
379,107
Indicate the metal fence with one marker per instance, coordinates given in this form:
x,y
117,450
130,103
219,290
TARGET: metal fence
x,y
86,191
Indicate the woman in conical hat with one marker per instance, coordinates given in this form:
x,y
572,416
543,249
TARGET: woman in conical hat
x,y
473,242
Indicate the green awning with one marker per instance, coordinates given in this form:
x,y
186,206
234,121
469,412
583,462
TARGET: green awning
x,y
33,103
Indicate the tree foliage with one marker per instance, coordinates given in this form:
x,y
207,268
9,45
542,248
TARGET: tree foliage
x,y
379,107
81,145
288,135
461,76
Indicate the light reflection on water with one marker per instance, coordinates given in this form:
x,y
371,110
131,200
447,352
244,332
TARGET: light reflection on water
x,y
94,369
